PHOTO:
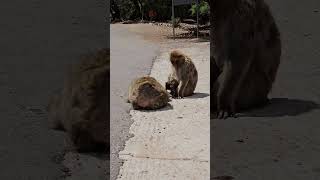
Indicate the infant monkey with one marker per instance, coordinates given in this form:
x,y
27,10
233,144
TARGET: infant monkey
x,y
172,85
184,77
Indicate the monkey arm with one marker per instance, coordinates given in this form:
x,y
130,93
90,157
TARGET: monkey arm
x,y
228,80
214,70
236,64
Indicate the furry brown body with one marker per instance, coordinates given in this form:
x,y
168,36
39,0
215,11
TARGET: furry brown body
x,y
246,50
185,72
147,93
82,108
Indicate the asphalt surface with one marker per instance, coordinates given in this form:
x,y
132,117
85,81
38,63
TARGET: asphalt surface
x,y
131,57
280,141
38,39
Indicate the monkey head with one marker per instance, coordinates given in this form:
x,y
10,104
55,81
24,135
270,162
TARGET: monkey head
x,y
177,58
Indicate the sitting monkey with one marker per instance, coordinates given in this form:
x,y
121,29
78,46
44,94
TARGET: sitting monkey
x,y
184,72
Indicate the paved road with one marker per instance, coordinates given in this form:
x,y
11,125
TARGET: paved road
x,y
280,141
38,39
130,57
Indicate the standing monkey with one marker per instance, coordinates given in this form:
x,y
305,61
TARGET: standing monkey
x,y
185,72
246,50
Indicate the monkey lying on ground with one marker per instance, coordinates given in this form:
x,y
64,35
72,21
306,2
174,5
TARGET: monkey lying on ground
x,y
82,107
184,72
246,54
147,93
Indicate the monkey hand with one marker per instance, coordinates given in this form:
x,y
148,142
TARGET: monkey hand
x,y
180,97
225,108
224,114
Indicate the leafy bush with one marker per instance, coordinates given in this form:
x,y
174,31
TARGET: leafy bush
x,y
204,11
161,10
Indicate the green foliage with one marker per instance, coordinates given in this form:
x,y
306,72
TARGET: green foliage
x,y
204,8
204,11
176,22
126,10
139,9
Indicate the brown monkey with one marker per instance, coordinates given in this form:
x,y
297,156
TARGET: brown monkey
x,y
147,93
185,73
246,49
82,107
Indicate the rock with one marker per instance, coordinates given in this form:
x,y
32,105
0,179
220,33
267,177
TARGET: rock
x,y
82,107
147,93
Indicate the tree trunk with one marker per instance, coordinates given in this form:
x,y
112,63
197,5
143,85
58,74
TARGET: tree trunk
x,y
141,11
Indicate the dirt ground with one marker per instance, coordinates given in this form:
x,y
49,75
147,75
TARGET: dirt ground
x,y
158,33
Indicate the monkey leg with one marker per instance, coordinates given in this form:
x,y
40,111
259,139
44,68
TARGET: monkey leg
x,y
214,84
223,94
239,84
182,88
233,75
214,71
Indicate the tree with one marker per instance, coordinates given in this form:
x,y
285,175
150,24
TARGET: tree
x,y
203,11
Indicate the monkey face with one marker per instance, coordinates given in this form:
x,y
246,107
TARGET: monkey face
x,y
176,58
176,61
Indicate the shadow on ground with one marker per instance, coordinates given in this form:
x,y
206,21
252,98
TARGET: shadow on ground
x,y
166,108
99,155
198,95
278,107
